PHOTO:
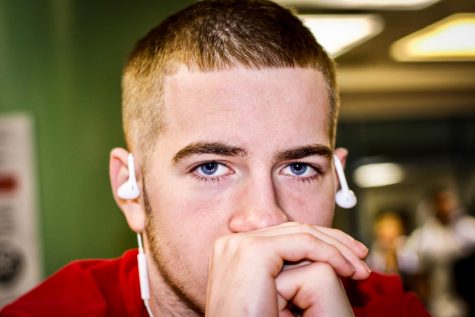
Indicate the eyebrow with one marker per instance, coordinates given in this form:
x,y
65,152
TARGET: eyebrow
x,y
208,148
304,151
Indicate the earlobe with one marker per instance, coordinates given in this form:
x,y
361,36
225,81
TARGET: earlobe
x,y
126,196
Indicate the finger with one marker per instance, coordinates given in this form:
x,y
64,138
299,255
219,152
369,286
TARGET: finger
x,y
315,289
362,270
360,249
281,305
300,246
287,309
351,249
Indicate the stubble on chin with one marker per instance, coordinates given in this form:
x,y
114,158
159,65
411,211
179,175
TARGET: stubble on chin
x,y
166,266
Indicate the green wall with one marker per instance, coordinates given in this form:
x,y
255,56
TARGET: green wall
x,y
61,61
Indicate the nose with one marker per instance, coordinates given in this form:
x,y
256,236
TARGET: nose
x,y
258,207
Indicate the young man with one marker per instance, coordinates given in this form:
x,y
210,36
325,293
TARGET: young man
x,y
229,110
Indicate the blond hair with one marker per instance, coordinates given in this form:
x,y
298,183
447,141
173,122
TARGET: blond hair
x,y
215,35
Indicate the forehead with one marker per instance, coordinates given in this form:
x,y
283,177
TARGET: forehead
x,y
287,105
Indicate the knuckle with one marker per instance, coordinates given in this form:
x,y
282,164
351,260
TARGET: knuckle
x,y
324,268
226,243
332,252
325,272
322,272
309,238
220,245
234,243
248,244
341,233
238,248
247,249
307,228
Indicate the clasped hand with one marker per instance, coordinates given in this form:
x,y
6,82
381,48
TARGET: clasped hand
x,y
267,271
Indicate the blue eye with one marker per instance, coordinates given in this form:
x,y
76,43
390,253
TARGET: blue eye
x,y
298,168
209,168
211,171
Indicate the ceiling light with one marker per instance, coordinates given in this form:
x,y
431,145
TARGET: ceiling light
x,y
450,39
362,4
339,33
378,174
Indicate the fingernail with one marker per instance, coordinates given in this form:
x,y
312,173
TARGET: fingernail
x,y
353,269
362,246
366,266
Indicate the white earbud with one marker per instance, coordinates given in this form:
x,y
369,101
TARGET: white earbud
x,y
130,189
345,197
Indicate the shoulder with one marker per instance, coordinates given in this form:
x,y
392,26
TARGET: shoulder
x,y
382,294
84,287
465,221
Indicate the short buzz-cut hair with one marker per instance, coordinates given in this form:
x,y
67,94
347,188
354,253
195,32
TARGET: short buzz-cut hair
x,y
214,35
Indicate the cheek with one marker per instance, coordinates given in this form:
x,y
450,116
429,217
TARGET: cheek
x,y
186,228
197,216
200,207
308,203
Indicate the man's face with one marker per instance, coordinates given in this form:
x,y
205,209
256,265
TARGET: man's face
x,y
241,150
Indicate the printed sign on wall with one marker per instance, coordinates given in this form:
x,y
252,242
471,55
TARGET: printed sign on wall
x,y
20,266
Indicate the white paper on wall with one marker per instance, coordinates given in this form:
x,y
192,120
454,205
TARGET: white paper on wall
x,y
20,265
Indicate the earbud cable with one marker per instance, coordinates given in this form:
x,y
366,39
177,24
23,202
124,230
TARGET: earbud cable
x,y
143,276
147,306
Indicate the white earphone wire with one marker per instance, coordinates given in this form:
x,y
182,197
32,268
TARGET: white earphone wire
x,y
143,276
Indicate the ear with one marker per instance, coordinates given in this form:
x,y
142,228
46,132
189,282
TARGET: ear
x,y
119,174
342,154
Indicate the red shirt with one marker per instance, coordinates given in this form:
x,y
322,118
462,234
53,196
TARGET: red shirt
x,y
111,288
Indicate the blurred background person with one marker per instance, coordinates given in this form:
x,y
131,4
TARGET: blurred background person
x,y
389,233
431,250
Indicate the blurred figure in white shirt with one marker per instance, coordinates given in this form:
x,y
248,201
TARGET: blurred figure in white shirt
x,y
431,250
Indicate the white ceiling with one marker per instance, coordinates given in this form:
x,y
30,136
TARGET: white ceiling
x,y
374,86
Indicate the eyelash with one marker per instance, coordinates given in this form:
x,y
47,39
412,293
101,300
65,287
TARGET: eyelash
x,y
304,180
217,179
209,179
307,179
